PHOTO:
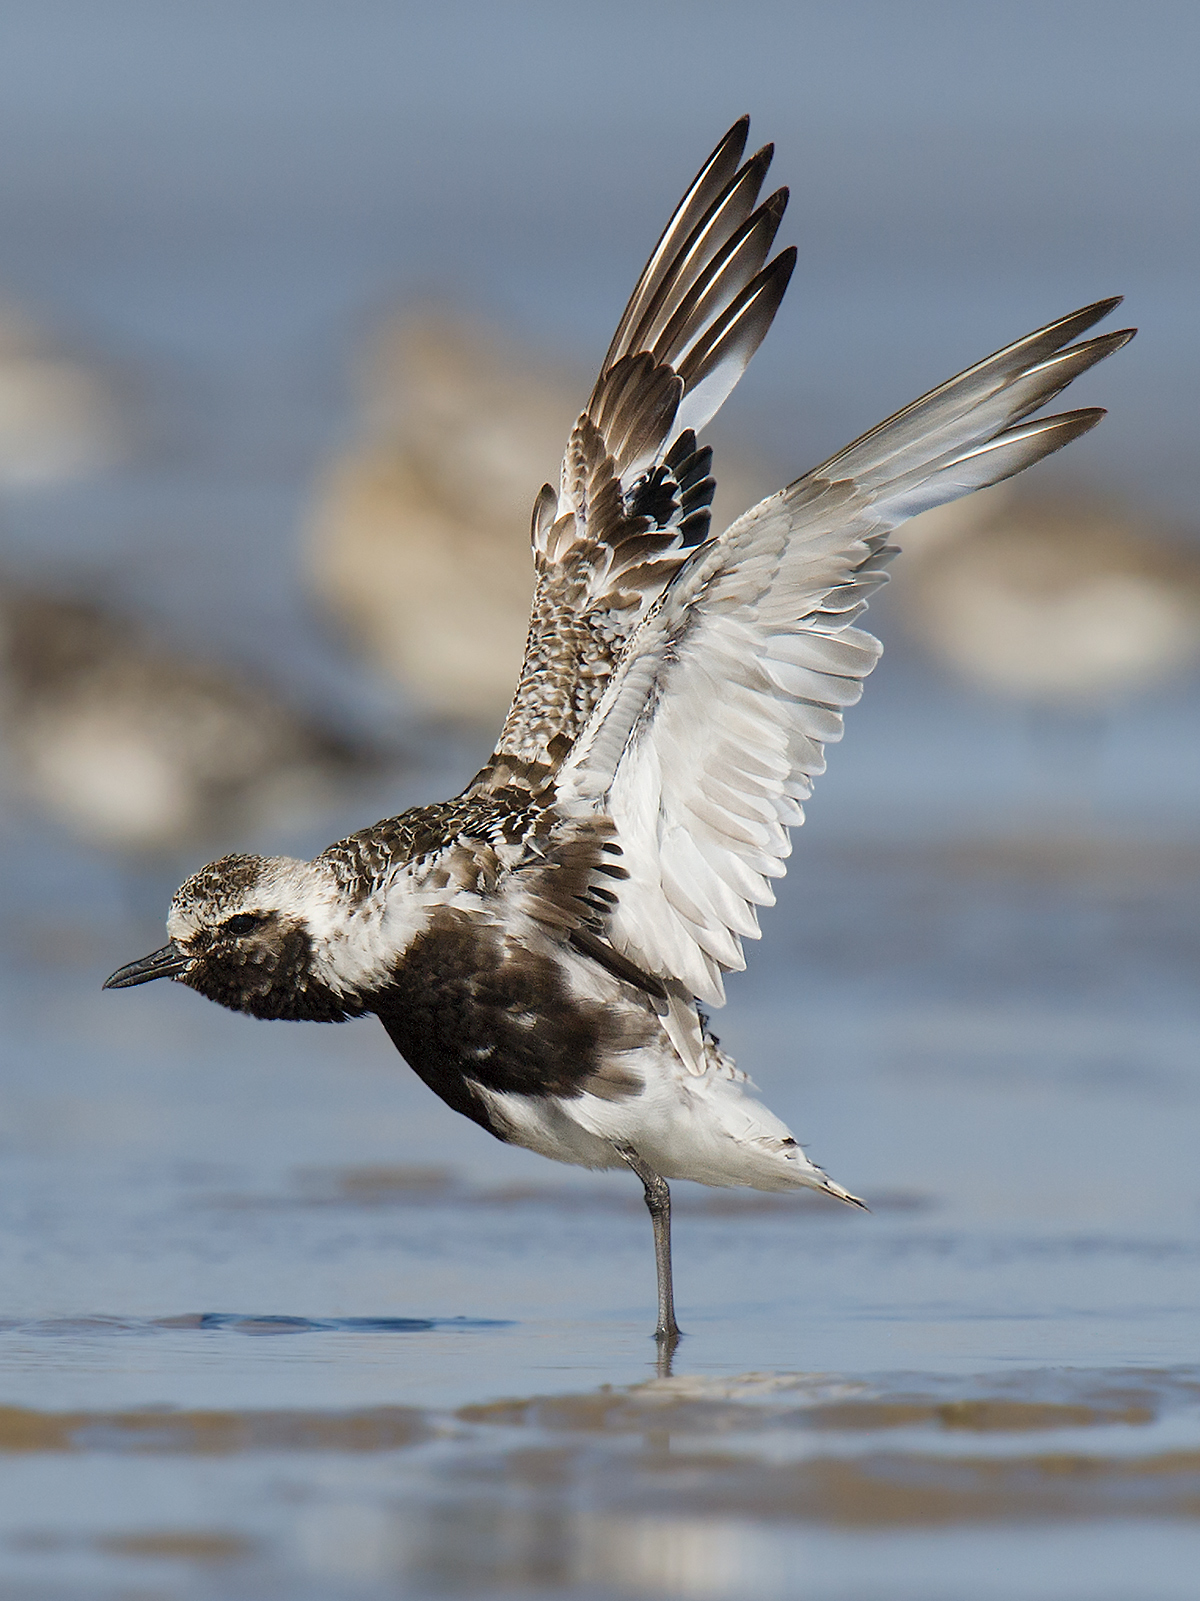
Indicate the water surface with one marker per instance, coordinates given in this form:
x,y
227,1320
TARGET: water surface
x,y
274,1322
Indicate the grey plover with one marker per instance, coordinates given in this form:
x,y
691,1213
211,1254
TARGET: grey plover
x,y
539,947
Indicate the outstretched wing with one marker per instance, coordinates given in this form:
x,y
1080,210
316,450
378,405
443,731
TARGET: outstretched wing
x,y
712,728
635,491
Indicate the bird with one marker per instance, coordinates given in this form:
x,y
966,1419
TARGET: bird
x,y
61,416
1067,604
544,949
139,748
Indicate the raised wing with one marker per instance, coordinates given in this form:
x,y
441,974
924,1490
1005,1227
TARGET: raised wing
x,y
710,732
635,490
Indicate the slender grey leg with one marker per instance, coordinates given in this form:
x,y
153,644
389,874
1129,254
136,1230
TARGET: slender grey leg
x,y
658,1201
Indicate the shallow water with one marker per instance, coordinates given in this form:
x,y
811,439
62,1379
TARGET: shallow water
x,y
277,1322
274,1322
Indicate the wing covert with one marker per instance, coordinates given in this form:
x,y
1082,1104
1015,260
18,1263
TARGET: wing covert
x,y
635,489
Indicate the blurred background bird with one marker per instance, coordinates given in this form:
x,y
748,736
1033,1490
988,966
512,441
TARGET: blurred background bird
x,y
142,749
61,415
1075,602
418,542
130,742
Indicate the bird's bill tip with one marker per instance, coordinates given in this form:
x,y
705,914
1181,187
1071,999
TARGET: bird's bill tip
x,y
168,962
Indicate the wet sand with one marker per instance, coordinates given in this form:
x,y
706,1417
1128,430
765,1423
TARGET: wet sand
x,y
763,1483
277,1323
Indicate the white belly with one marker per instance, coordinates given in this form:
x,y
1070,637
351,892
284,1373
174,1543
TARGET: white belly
x,y
707,1127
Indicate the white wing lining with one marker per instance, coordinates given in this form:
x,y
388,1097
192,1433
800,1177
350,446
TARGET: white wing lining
x,y
712,729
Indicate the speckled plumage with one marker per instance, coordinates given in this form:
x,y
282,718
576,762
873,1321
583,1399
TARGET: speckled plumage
x,y
537,947
634,491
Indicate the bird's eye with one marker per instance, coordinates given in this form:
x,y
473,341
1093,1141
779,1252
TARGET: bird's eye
x,y
244,923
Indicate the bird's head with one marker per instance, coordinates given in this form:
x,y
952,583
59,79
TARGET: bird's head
x,y
250,932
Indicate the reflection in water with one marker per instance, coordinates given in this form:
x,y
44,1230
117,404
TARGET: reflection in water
x,y
664,1360
687,1556
695,1486
351,1543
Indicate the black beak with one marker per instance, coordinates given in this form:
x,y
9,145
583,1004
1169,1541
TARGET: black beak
x,y
167,963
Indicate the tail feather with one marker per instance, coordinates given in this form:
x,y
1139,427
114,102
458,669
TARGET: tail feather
x,y
839,1194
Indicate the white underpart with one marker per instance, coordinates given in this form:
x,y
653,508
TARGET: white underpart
x,y
356,944
707,1127
356,947
696,1117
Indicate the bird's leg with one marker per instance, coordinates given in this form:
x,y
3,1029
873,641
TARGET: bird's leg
x,y
658,1201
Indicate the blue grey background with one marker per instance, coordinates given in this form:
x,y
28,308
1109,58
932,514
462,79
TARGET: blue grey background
x,y
954,1008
